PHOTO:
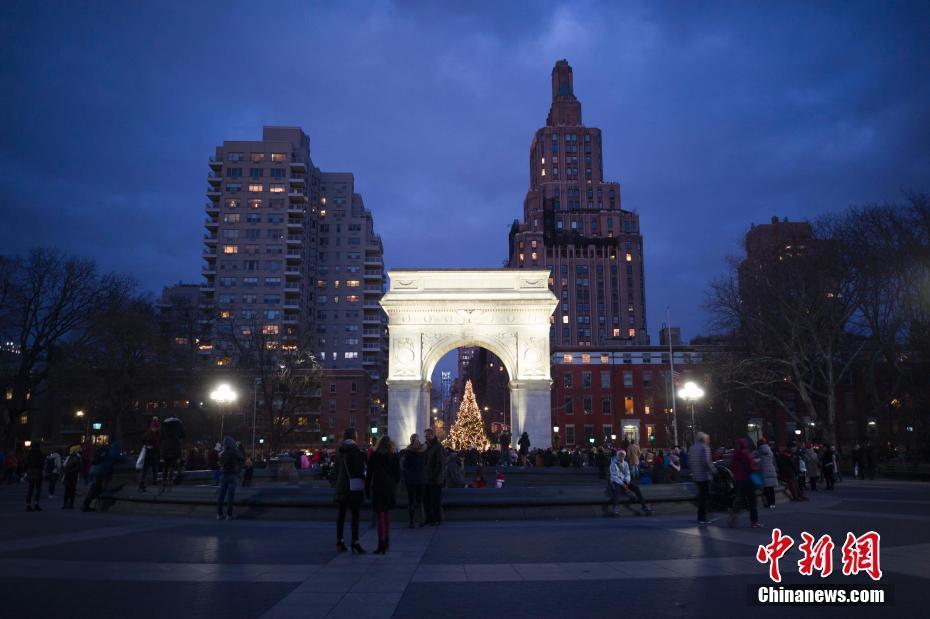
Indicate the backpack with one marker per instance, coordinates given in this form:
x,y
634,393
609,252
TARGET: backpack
x,y
49,465
100,455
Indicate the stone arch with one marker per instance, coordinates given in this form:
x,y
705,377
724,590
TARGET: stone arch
x,y
506,311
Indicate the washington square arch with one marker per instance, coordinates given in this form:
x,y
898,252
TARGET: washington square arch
x,y
506,311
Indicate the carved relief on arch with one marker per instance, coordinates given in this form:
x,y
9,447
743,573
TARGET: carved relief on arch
x,y
532,355
403,356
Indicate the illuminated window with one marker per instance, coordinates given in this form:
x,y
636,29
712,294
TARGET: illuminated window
x,y
231,218
232,203
256,187
351,355
321,283
586,358
628,405
352,283
224,314
605,359
278,187
616,332
521,257
534,256
632,332
270,330
336,283
277,157
564,320
230,249
351,298
567,358
543,173
629,257
255,203
257,157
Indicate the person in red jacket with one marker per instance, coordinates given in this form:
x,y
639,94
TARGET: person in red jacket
x,y
742,466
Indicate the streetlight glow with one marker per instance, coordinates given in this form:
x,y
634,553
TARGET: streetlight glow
x,y
223,394
79,414
689,393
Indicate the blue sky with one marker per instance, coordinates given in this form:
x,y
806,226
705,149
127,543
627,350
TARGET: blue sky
x,y
715,115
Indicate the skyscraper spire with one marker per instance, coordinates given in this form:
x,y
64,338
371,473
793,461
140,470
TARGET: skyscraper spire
x,y
566,109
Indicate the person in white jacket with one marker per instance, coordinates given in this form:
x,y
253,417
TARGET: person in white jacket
x,y
622,482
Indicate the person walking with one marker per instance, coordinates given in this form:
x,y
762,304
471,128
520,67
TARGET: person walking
x,y
151,443
172,448
230,463
105,458
381,486
72,470
633,454
812,465
828,466
702,472
35,461
524,444
350,488
621,482
769,473
413,466
52,472
743,467
435,470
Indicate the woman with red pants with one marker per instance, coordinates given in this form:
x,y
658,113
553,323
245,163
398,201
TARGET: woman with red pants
x,y
381,486
743,467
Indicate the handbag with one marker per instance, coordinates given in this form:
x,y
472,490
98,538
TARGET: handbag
x,y
756,478
140,461
356,484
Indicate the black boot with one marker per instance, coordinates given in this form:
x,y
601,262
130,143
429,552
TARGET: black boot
x,y
380,549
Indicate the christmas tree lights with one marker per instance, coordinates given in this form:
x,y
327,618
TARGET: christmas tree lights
x,y
468,430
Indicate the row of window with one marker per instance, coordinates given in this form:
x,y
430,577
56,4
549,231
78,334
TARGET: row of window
x,y
349,298
257,187
350,283
257,157
568,379
254,203
248,299
631,433
256,172
228,282
606,406
584,335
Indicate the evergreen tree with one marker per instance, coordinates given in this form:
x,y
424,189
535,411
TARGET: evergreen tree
x,y
468,430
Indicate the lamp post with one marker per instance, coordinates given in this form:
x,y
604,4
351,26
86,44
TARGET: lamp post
x,y
80,415
689,393
374,433
223,395
254,410
555,431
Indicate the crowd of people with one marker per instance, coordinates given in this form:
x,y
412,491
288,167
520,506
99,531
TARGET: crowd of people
x,y
426,467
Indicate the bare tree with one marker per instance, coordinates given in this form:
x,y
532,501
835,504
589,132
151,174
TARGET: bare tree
x,y
287,379
48,299
787,313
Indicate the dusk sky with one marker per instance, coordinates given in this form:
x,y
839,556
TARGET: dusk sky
x,y
714,116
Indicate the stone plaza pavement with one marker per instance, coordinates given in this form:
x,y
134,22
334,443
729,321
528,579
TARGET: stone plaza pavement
x,y
70,564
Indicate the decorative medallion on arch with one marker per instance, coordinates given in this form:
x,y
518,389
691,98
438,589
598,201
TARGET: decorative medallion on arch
x,y
503,310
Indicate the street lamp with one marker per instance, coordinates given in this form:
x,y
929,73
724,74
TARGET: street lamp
x,y
80,415
689,393
555,430
223,395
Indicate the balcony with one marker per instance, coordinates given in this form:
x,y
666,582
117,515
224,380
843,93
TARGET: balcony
x,y
373,262
298,180
210,239
290,319
292,272
295,225
214,193
291,304
214,179
372,333
215,163
291,289
298,165
371,305
213,208
295,240
374,275
297,196
211,223
209,253
371,320
296,211
209,271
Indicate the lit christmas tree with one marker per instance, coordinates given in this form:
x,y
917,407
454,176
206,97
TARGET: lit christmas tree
x,y
468,430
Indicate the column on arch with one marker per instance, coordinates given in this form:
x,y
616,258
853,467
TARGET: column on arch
x,y
408,409
531,411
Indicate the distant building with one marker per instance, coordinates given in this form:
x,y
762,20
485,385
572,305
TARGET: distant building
x,y
574,225
667,332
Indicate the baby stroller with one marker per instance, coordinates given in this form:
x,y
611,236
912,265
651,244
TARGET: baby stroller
x,y
722,487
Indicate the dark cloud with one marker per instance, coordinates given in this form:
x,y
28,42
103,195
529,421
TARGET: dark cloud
x,y
714,116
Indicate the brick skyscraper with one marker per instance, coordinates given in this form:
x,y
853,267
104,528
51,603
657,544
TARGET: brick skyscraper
x,y
573,224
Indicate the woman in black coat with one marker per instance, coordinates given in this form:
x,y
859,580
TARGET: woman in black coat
x,y
381,485
350,482
413,465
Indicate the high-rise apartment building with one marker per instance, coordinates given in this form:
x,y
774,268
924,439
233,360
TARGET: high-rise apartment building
x,y
351,330
292,261
260,242
574,225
